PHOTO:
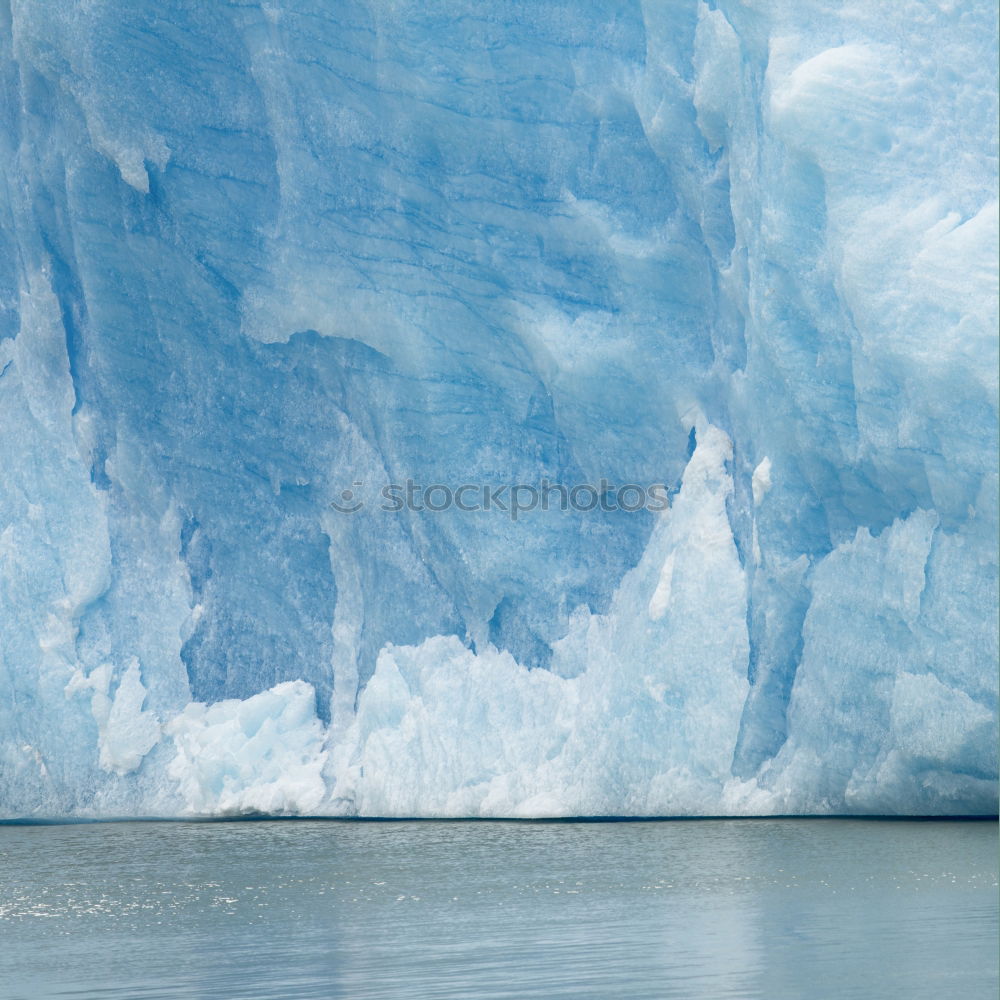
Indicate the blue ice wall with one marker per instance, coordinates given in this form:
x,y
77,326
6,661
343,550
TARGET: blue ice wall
x,y
255,255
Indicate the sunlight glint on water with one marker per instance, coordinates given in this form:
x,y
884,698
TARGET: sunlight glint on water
x,y
708,909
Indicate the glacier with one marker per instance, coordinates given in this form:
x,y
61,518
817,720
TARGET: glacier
x,y
256,257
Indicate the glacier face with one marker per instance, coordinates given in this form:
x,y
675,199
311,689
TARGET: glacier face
x,y
253,255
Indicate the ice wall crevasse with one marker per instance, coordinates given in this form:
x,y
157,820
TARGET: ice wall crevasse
x,y
851,162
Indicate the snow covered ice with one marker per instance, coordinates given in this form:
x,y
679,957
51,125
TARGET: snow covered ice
x,y
255,255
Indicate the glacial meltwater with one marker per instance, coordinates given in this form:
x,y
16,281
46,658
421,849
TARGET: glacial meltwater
x,y
295,909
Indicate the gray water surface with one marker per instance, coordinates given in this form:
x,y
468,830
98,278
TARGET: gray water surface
x,y
687,909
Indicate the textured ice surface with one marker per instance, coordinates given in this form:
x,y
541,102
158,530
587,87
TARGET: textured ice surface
x,y
260,755
254,255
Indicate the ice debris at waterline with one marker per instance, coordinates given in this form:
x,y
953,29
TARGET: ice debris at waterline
x,y
257,259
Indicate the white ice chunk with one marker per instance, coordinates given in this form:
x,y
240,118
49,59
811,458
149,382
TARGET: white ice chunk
x,y
126,733
263,754
761,481
647,727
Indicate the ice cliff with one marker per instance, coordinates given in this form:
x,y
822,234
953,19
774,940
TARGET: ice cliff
x,y
257,257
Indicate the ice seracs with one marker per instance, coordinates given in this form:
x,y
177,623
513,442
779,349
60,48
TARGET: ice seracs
x,y
745,250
